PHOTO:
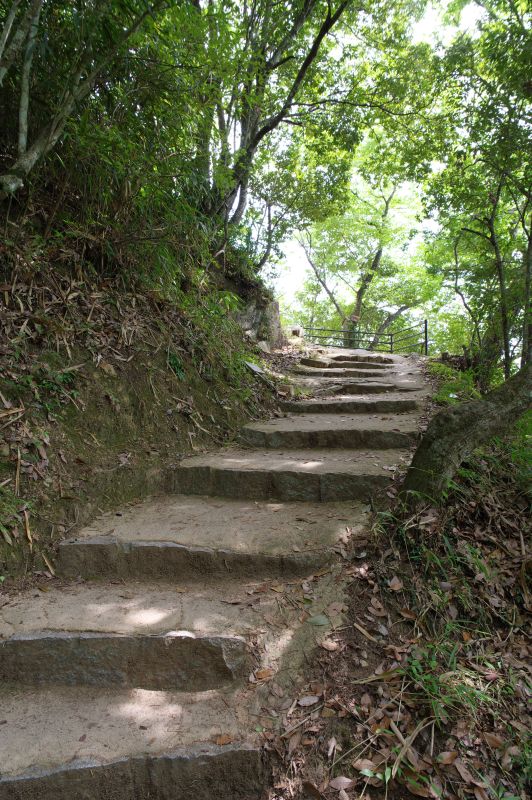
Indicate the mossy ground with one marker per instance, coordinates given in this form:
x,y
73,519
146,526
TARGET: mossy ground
x,y
112,392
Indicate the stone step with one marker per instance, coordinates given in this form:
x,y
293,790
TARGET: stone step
x,y
362,355
311,475
375,387
77,743
138,636
348,405
195,536
325,386
332,431
344,372
364,365
329,364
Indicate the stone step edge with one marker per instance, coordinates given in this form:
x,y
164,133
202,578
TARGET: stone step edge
x,y
167,661
336,406
239,770
322,438
283,485
111,557
338,364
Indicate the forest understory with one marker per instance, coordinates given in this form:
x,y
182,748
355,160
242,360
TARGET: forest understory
x,y
102,392
436,639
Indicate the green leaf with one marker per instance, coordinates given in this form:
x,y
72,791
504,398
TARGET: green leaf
x,y
319,619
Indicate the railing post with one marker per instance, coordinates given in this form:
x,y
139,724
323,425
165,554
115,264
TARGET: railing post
x,y
391,342
426,336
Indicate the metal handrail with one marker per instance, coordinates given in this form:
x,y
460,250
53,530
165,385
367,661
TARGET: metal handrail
x,y
356,336
342,330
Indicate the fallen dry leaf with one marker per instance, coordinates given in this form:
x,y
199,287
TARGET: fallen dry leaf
x,y
223,738
311,790
308,700
341,783
395,584
364,763
264,674
463,771
294,741
447,757
329,645
493,740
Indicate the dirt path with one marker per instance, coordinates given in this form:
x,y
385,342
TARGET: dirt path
x,y
186,620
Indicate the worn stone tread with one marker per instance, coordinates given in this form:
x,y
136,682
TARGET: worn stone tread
x,y
312,475
191,536
339,430
86,731
328,364
142,635
238,771
361,355
399,385
324,387
342,372
351,405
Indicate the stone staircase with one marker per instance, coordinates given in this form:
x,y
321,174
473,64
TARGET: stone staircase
x,y
181,625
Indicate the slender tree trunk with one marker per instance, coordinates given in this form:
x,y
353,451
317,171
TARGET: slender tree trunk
x,y
322,283
454,433
242,201
462,296
526,357
505,326
25,83
375,262
13,180
385,325
8,24
365,282
12,49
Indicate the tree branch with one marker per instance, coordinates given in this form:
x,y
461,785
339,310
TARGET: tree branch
x,y
327,25
385,325
321,280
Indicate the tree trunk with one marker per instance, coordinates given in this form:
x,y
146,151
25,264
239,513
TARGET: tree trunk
x,y
11,50
375,262
25,83
526,357
365,282
505,326
13,180
488,356
385,325
322,283
454,433
8,24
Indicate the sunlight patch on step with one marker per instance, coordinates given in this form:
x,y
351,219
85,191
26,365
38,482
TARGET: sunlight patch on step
x,y
147,616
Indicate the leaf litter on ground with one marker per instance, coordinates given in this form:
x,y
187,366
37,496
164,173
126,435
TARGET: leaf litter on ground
x,y
440,709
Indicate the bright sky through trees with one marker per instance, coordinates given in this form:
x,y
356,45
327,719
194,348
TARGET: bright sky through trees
x,y
290,273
